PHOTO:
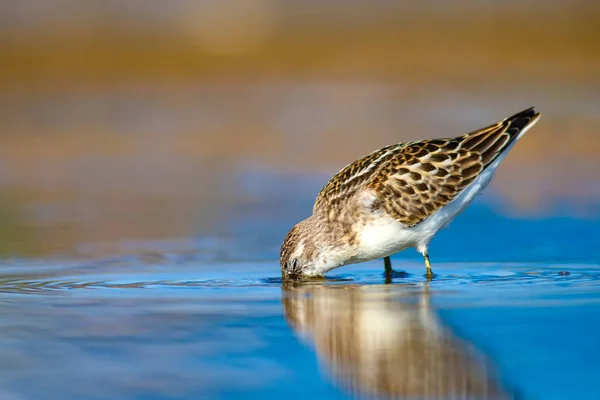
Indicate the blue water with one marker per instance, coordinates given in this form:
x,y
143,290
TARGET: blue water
x,y
513,313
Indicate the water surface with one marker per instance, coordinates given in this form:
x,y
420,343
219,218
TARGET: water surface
x,y
135,328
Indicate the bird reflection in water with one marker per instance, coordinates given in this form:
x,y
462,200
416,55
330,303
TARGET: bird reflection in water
x,y
386,341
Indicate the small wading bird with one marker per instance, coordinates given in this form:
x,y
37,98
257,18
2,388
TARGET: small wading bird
x,y
397,197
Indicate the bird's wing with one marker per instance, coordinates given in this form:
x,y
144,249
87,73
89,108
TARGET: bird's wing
x,y
419,178
351,178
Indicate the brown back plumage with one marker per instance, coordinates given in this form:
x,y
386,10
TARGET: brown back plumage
x,y
414,180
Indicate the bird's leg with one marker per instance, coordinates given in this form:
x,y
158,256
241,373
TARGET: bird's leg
x,y
387,263
429,274
390,273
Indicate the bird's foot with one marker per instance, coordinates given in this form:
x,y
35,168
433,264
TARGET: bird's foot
x,y
429,275
391,274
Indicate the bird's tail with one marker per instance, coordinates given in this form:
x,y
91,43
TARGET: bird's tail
x,y
495,139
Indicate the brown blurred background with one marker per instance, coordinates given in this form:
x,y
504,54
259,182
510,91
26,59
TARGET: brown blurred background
x,y
145,120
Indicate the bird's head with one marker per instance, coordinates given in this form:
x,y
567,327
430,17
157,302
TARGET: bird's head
x,y
299,257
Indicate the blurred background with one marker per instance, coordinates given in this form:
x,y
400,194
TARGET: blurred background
x,y
208,127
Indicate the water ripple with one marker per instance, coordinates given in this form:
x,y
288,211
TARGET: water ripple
x,y
450,279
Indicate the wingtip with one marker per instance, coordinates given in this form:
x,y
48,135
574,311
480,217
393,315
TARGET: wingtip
x,y
530,113
518,124
536,113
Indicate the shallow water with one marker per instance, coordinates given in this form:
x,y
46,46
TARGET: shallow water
x,y
135,328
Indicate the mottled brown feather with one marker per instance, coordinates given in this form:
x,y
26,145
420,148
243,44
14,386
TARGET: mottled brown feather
x,y
414,180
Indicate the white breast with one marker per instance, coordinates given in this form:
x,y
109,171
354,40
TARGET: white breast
x,y
382,237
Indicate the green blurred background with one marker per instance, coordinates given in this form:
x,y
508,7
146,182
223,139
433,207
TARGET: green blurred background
x,y
123,122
